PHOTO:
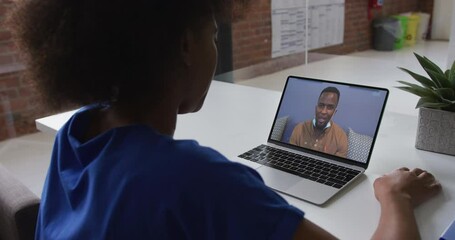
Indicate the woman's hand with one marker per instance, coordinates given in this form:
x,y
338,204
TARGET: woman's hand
x,y
415,185
399,192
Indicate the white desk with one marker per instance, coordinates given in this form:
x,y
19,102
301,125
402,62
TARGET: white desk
x,y
370,67
236,118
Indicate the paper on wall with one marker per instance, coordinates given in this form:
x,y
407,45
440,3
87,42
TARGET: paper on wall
x,y
290,34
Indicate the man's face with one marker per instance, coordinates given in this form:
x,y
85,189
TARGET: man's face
x,y
325,108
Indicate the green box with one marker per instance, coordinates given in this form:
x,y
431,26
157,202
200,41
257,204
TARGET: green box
x,y
399,42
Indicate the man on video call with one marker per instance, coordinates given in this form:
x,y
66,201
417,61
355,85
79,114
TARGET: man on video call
x,y
321,133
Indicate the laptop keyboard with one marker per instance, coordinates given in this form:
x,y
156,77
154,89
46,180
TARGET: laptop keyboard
x,y
306,167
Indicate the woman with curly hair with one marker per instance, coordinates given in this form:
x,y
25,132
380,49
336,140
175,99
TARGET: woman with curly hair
x,y
116,172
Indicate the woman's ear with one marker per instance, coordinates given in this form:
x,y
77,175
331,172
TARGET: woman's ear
x,y
186,46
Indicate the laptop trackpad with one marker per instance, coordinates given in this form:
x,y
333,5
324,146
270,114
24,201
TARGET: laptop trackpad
x,y
277,179
296,186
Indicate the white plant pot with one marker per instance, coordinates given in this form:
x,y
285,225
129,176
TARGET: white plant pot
x,y
436,131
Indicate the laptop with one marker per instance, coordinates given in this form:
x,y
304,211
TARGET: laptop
x,y
321,139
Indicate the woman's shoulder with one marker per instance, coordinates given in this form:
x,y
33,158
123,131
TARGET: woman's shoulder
x,y
184,157
207,161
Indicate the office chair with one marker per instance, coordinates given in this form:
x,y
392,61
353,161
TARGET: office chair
x,y
18,208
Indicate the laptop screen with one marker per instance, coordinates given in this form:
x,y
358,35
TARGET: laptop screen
x,y
334,118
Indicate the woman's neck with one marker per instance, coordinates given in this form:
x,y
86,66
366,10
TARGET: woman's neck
x,y
161,119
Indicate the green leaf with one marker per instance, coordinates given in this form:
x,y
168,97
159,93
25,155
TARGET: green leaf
x,y
446,93
452,75
430,103
411,90
448,101
427,63
421,79
450,108
439,79
417,90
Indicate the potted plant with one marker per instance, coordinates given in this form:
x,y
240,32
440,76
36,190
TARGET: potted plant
x,y
436,125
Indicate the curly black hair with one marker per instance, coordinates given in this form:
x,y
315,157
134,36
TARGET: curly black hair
x,y
82,52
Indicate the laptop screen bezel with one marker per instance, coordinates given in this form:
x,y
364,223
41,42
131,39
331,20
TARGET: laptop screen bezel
x,y
322,154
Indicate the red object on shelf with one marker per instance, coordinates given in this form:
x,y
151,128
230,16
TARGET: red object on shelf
x,y
374,4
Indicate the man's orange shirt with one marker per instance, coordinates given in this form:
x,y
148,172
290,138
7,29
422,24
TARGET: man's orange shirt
x,y
333,140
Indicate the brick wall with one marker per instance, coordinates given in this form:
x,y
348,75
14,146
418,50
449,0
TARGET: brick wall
x,y
19,102
20,105
8,53
251,38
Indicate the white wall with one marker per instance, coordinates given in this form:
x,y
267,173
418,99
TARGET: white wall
x,y
441,22
451,56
